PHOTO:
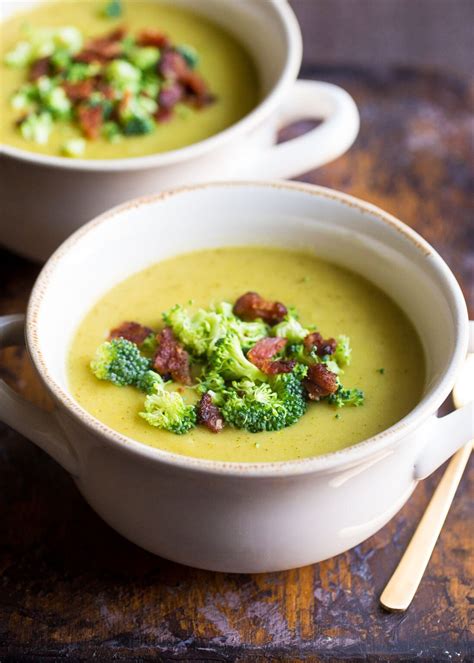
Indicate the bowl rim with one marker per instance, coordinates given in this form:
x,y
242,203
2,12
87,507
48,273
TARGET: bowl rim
x,y
257,115
348,457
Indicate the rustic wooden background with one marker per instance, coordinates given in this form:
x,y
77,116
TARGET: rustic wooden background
x,y
72,588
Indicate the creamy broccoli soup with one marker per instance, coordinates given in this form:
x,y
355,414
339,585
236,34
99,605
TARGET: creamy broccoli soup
x,y
259,354
110,79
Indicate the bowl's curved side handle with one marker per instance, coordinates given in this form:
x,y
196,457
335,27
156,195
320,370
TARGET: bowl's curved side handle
x,y
448,434
38,426
338,130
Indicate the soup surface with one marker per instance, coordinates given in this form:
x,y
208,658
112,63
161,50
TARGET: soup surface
x,y
336,300
223,63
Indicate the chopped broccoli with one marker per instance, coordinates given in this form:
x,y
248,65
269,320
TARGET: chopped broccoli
x,y
20,56
57,102
113,9
342,354
68,38
25,97
190,55
291,329
122,73
74,147
111,132
145,57
211,381
228,360
119,361
343,397
167,410
148,346
138,126
37,127
260,407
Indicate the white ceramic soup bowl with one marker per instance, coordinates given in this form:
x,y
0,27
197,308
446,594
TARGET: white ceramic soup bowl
x,y
242,517
46,198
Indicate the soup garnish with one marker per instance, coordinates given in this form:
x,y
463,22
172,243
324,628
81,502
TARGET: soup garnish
x,y
112,86
251,366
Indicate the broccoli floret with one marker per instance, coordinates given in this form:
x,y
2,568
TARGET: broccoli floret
x,y
343,352
138,126
147,381
228,360
253,407
20,56
210,381
291,329
37,127
343,397
74,147
144,58
119,361
168,411
199,332
258,407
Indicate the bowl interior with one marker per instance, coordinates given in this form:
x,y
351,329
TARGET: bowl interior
x,y
333,226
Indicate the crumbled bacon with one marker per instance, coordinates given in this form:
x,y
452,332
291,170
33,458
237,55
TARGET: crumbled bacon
x,y
171,358
151,37
170,95
319,382
90,120
102,49
132,331
172,66
262,353
209,414
79,91
251,306
323,346
39,68
164,114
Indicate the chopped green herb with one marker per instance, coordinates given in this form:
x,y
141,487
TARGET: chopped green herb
x,y
381,370
190,55
113,9
74,147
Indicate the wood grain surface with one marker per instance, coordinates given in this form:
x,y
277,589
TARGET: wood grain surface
x,y
72,588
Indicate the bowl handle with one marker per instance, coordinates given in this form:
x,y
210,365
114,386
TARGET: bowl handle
x,y
448,434
39,426
339,128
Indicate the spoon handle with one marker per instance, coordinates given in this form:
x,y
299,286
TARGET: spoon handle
x,y
403,584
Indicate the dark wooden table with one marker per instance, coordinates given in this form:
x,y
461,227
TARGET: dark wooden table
x,y
72,588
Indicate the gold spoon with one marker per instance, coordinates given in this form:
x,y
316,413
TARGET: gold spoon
x,y
402,586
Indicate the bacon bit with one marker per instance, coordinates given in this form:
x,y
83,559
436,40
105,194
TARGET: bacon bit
x,y
90,120
251,306
164,114
169,96
261,356
106,89
319,382
171,358
39,68
79,91
132,331
172,65
209,414
323,346
102,49
151,37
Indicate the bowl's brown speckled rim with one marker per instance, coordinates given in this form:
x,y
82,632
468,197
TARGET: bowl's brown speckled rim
x,y
353,455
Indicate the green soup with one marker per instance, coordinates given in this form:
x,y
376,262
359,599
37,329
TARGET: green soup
x,y
387,357
223,63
